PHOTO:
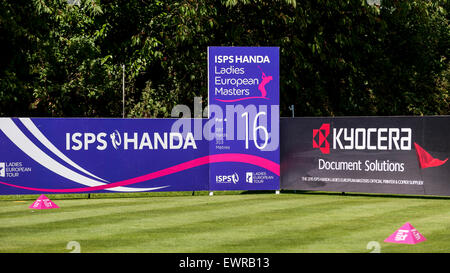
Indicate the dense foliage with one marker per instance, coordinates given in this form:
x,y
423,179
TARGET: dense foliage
x,y
337,57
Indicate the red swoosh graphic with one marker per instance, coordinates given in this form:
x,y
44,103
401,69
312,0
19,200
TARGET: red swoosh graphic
x,y
426,160
247,98
242,158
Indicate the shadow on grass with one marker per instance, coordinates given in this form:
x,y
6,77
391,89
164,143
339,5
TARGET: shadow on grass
x,y
206,193
73,196
359,194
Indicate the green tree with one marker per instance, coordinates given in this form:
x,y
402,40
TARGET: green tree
x,y
62,69
337,57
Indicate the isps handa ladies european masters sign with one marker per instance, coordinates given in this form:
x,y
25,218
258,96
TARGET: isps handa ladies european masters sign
x,y
243,85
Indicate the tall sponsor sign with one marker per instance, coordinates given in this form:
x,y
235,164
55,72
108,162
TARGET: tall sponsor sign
x,y
99,155
404,155
243,122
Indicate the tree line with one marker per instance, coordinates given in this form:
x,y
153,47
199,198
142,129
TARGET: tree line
x,y
64,58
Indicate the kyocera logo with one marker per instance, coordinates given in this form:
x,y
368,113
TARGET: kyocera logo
x,y
373,139
129,141
233,178
320,138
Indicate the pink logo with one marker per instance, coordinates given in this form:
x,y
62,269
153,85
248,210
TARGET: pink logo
x,y
43,203
261,88
320,138
407,234
265,80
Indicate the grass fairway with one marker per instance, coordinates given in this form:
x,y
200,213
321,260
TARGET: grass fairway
x,y
223,223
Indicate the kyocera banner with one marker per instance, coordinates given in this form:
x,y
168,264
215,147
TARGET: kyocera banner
x,y
402,155
99,155
243,109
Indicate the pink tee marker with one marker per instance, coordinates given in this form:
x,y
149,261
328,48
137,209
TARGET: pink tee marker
x,y
407,234
43,203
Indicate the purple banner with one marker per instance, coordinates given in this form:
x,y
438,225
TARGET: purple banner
x,y
75,155
99,155
236,148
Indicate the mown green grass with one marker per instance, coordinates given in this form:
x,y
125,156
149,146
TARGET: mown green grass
x,y
235,222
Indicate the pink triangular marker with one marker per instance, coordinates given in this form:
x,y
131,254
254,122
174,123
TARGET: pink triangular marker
x,y
43,203
407,234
